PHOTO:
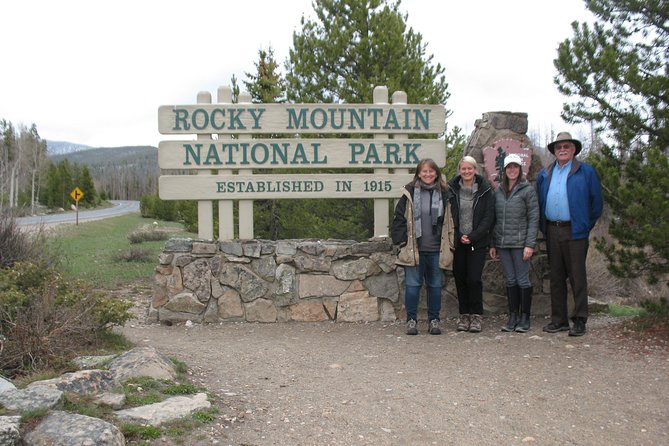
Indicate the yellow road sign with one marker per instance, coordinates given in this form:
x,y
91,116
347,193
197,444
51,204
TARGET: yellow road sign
x,y
76,194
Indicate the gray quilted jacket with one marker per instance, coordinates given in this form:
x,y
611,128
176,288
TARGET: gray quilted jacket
x,y
516,217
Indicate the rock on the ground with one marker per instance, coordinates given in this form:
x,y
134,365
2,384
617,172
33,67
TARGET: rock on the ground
x,y
142,361
81,382
9,431
113,400
165,411
6,385
67,429
34,398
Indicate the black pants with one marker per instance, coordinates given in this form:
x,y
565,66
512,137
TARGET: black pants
x,y
566,258
467,271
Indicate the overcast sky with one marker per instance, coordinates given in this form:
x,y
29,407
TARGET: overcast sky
x,y
95,72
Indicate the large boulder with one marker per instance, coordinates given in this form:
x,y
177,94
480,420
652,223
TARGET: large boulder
x,y
67,429
142,361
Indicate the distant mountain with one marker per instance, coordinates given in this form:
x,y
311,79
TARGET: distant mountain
x,y
126,156
61,147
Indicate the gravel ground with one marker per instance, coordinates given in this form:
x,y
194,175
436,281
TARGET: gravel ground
x,y
370,384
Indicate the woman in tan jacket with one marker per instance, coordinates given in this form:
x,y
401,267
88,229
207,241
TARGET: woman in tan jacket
x,y
423,227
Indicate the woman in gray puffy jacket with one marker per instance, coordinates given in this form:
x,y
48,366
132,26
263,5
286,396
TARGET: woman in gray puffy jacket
x,y
514,239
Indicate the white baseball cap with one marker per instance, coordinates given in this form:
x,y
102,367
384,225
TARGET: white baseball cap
x,y
513,158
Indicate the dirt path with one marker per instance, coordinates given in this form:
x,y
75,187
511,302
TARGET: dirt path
x,y
369,384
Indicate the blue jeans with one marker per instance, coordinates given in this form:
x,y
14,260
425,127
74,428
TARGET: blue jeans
x,y
427,270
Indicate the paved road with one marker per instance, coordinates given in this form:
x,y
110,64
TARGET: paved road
x,y
119,208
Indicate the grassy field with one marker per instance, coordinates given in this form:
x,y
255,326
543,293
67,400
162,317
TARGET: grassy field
x,y
100,251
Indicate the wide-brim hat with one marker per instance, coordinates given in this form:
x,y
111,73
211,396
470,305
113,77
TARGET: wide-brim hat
x,y
564,136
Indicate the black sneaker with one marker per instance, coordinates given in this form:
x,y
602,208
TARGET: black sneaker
x,y
434,327
412,328
554,328
578,329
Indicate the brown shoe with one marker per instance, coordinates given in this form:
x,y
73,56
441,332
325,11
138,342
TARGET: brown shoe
x,y
463,322
475,324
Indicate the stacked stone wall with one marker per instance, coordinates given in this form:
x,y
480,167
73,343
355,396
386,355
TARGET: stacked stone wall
x,y
293,280
267,281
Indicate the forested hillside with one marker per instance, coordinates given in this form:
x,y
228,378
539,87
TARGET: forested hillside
x,y
122,173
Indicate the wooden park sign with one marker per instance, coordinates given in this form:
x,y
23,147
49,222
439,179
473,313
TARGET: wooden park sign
x,y
225,162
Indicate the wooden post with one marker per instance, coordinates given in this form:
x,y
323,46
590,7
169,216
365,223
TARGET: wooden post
x,y
245,206
205,208
381,216
400,97
226,228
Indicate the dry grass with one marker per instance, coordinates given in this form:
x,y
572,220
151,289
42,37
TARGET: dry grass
x,y
151,233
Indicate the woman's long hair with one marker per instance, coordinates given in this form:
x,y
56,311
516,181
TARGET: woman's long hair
x,y
431,164
505,179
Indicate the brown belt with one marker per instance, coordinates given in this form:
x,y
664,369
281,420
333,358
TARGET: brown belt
x,y
558,223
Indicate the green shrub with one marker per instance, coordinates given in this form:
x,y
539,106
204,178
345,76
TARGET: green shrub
x,y
151,206
180,366
204,416
45,320
144,390
624,310
143,398
84,405
181,389
148,235
656,308
146,206
137,432
30,415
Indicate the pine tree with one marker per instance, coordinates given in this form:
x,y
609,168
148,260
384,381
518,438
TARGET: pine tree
x,y
267,86
351,47
66,184
616,74
356,45
85,183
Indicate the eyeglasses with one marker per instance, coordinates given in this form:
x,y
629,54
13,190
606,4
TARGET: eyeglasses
x,y
565,145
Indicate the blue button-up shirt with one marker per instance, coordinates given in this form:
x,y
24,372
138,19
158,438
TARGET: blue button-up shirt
x,y
557,201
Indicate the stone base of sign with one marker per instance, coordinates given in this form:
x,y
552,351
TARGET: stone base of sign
x,y
298,280
502,128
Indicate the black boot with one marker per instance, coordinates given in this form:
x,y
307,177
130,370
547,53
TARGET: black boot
x,y
526,306
513,295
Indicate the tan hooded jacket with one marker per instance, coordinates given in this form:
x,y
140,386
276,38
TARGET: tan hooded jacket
x,y
408,254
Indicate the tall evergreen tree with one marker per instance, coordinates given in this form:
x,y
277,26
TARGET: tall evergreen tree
x,y
267,86
351,47
616,74
49,192
66,183
85,183
355,45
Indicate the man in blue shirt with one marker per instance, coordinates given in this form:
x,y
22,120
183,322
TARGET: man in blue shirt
x,y
570,202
